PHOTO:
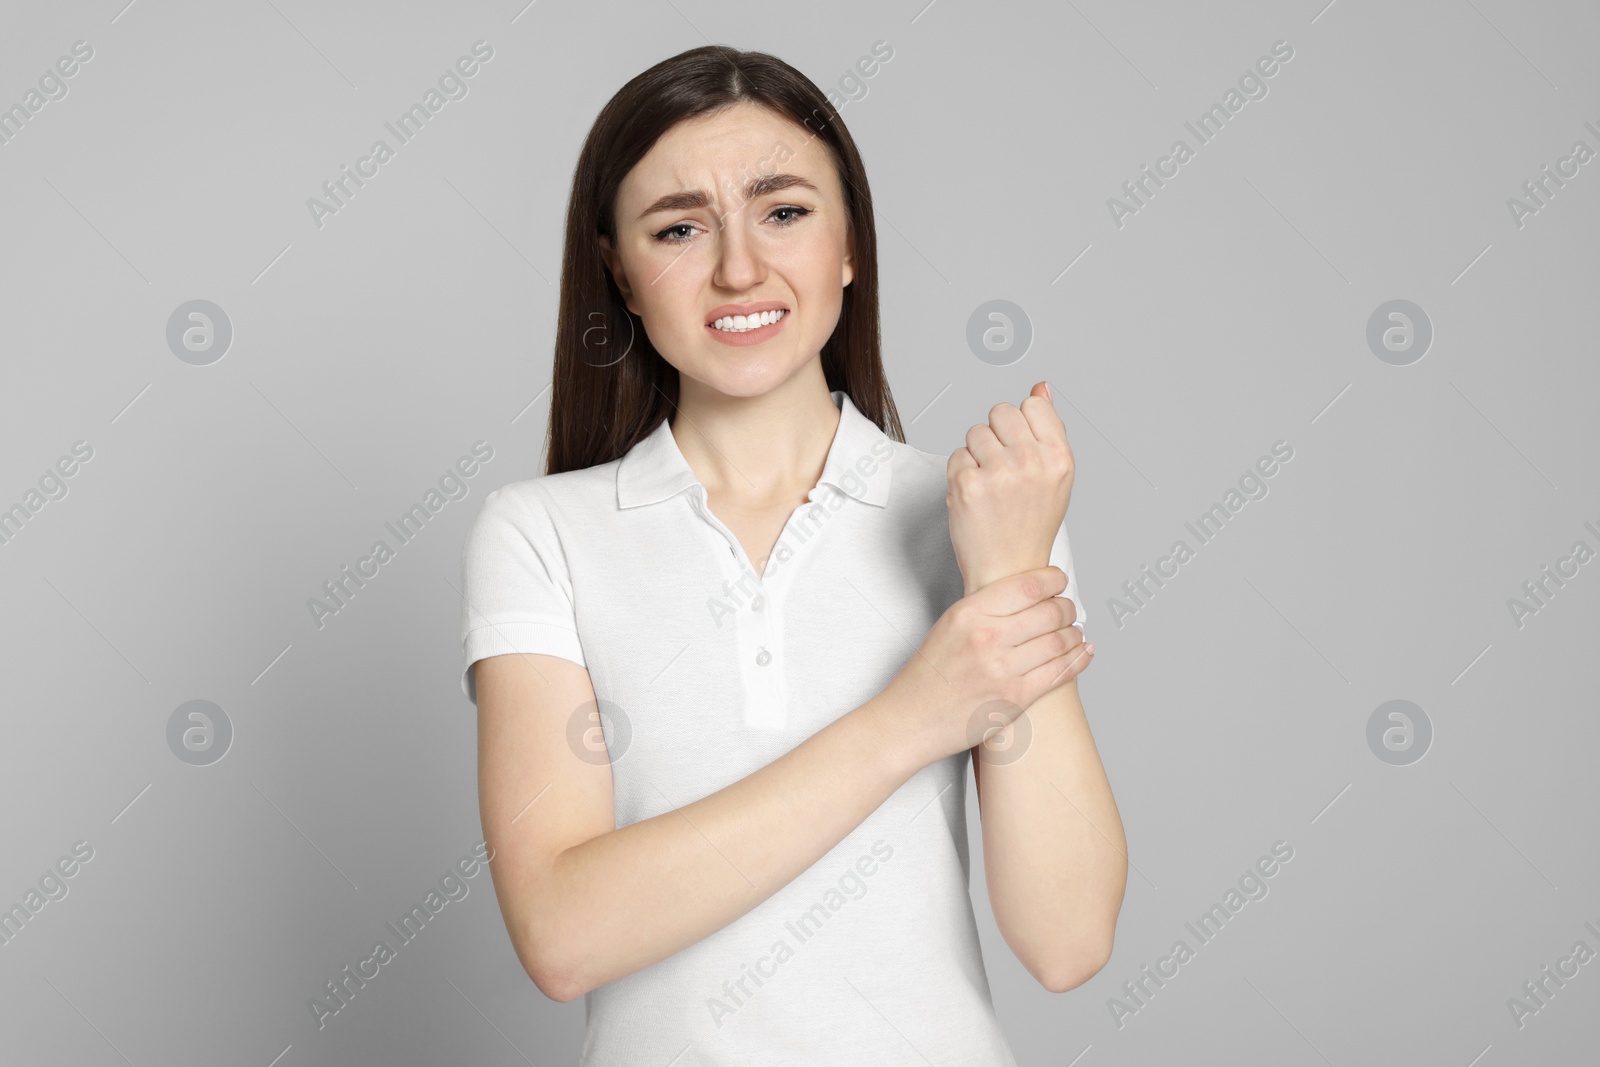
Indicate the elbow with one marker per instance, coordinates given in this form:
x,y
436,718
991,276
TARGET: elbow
x,y
547,969
556,982
1073,971
551,950
556,986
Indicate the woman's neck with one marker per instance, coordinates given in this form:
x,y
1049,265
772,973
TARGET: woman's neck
x,y
767,447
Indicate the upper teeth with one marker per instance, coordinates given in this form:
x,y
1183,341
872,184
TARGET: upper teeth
x,y
748,322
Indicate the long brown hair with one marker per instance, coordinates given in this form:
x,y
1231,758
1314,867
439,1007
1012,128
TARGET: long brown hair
x,y
609,386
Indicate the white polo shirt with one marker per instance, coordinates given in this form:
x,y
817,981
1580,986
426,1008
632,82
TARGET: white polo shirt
x,y
705,673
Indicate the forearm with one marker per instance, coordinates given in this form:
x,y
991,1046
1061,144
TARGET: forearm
x,y
1055,856
626,899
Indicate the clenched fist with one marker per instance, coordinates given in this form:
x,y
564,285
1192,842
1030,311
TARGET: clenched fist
x,y
1008,490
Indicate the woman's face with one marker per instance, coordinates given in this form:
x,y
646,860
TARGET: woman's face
x,y
697,243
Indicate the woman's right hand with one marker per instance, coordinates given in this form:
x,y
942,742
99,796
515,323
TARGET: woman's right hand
x,y
990,655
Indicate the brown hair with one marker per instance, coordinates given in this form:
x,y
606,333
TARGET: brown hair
x,y
609,386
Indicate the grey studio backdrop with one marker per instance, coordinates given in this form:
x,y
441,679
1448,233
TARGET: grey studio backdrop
x,y
1371,272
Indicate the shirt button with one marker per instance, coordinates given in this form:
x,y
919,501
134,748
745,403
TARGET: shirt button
x,y
763,657
757,604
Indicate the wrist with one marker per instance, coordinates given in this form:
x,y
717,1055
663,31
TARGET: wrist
x,y
990,575
897,733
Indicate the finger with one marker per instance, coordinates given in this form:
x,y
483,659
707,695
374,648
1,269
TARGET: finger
x,y
1047,643
1060,670
984,445
1069,610
1010,425
960,459
1020,591
1048,648
1052,615
1043,422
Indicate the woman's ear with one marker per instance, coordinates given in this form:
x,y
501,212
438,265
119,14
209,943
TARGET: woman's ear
x,y
614,265
847,273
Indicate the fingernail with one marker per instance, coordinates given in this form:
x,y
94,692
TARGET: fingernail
x,y
1048,394
1090,647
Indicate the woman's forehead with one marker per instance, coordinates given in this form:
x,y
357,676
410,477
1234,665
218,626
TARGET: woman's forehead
x,y
719,154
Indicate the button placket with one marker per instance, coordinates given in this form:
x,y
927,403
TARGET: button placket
x,y
757,621
758,666
759,711
763,626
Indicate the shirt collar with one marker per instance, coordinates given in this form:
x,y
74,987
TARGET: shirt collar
x,y
654,469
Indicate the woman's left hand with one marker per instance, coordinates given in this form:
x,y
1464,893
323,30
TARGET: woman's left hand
x,y
1009,489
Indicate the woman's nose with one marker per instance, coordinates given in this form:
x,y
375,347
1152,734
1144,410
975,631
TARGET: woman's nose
x,y
738,256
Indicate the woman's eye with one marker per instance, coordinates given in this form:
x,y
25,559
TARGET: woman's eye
x,y
667,236
672,234
799,213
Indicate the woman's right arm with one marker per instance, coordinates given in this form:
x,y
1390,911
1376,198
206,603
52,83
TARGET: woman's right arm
x,y
586,902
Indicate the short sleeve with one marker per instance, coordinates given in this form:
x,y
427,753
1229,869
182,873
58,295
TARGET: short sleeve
x,y
1061,556
516,588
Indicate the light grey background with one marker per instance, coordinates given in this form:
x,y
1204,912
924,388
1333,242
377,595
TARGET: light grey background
x,y
1228,314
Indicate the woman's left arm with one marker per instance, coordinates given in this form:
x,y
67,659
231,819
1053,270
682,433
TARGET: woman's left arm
x,y
1055,856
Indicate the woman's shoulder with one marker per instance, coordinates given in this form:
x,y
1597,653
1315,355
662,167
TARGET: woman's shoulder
x,y
552,498
918,490
922,473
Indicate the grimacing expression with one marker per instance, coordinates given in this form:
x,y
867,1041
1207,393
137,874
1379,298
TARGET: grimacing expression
x,y
741,206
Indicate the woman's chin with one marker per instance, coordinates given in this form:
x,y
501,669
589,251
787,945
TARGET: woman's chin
x,y
742,374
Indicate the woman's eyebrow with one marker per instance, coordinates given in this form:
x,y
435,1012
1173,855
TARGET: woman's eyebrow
x,y
692,198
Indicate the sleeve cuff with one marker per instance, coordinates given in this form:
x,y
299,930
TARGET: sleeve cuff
x,y
505,638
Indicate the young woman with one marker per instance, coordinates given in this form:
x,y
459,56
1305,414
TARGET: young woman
x,y
730,654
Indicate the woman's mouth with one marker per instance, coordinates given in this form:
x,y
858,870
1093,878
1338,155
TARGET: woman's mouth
x,y
741,323
747,329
